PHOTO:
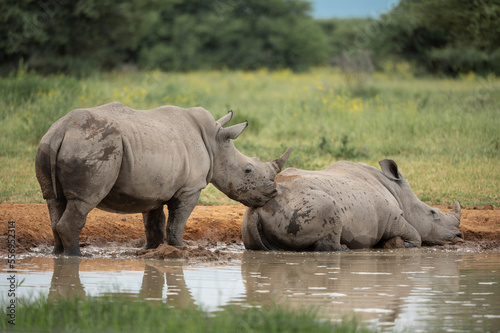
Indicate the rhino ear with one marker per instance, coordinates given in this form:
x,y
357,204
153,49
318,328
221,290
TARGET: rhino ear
x,y
224,120
390,169
231,132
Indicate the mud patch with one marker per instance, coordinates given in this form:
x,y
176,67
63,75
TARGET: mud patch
x,y
473,246
191,253
209,227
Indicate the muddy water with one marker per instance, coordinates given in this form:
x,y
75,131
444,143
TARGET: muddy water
x,y
421,289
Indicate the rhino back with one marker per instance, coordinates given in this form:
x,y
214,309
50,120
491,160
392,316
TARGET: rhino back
x,y
373,206
144,157
311,202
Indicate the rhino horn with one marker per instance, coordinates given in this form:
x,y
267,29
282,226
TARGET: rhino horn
x,y
224,120
280,162
456,211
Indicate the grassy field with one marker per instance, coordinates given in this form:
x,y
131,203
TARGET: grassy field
x,y
443,133
124,315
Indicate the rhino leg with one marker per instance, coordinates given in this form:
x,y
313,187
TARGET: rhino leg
x,y
330,242
154,223
179,210
56,210
392,243
250,231
71,224
406,231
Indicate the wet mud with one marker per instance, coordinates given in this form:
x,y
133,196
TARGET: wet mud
x,y
213,233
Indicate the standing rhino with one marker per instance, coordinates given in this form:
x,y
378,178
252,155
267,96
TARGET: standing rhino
x,y
348,204
136,161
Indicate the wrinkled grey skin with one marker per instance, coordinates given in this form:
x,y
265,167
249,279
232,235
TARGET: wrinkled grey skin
x,y
136,161
348,204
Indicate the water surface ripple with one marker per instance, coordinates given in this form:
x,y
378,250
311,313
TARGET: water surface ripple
x,y
423,290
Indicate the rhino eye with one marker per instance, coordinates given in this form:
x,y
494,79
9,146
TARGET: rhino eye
x,y
248,169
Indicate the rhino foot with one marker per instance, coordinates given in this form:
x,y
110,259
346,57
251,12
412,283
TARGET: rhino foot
x,y
150,246
58,250
328,246
73,253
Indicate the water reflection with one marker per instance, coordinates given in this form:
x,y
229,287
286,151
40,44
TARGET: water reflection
x,y
170,280
381,287
416,289
159,282
66,279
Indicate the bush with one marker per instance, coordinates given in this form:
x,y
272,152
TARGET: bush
x,y
81,37
443,37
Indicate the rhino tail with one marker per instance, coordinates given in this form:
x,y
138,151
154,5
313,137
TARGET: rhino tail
x,y
55,146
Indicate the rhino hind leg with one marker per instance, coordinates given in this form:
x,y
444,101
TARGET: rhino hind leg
x,y
69,227
251,231
154,224
329,243
56,209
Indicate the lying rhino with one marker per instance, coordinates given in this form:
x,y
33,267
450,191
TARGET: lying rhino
x,y
130,161
348,204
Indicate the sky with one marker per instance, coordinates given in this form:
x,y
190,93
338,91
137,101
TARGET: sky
x,y
350,8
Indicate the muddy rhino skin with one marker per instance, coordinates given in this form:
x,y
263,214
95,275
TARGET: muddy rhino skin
x,y
347,205
136,161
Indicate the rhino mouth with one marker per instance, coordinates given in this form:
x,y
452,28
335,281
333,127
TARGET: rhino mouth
x,y
260,201
445,240
459,238
271,194
253,203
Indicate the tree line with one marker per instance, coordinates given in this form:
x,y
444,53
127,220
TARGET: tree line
x,y
82,36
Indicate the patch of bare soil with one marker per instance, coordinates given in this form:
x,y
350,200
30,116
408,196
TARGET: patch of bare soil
x,y
207,226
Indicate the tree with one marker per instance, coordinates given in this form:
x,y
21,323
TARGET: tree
x,y
444,36
235,34
77,36
84,35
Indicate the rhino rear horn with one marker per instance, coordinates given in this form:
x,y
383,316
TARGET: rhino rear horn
x,y
280,162
224,120
456,212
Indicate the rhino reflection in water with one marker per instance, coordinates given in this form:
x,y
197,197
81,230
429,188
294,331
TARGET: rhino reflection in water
x,y
157,281
136,161
376,285
66,279
348,204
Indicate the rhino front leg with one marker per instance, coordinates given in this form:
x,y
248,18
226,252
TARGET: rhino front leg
x,y
154,223
179,210
406,231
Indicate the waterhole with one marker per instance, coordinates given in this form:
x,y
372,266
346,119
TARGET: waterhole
x,y
416,289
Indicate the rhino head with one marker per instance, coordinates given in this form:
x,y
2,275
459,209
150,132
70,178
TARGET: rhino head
x,y
244,179
434,226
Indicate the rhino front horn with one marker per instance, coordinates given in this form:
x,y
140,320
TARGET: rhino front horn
x,y
456,211
280,162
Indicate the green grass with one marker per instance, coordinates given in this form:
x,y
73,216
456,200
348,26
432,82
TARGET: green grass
x,y
106,314
443,133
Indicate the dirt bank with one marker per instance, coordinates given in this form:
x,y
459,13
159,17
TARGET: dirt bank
x,y
480,226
